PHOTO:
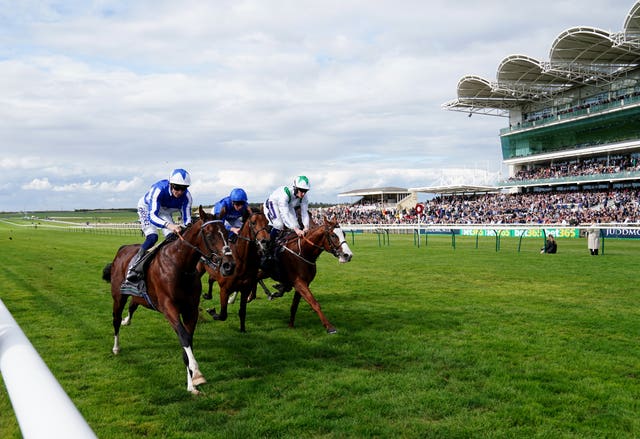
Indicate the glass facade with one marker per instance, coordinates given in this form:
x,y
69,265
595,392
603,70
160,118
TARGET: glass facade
x,y
597,128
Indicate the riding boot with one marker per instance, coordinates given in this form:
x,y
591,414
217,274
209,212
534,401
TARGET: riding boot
x,y
135,271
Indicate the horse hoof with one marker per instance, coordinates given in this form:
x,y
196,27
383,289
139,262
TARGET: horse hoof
x,y
198,379
115,351
195,391
331,330
207,296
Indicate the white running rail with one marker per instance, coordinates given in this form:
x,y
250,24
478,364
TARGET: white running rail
x,y
42,407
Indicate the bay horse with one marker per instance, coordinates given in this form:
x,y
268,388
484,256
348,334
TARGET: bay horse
x,y
252,243
173,284
297,264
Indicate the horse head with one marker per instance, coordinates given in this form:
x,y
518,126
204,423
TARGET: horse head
x,y
335,241
214,237
257,224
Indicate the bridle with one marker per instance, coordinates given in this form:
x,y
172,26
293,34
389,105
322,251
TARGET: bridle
x,y
212,258
328,235
253,231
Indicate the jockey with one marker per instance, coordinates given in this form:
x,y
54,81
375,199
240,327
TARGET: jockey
x,y
155,210
281,206
280,209
232,210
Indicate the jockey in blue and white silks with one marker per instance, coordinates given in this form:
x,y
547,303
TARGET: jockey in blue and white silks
x,y
232,210
281,205
155,211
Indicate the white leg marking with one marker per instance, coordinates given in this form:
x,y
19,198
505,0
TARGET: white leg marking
x,y
195,378
116,345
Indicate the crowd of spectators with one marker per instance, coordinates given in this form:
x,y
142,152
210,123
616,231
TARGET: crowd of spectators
x,y
570,208
590,166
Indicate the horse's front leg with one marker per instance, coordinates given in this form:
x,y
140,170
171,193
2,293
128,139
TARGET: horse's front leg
x,y
209,294
264,288
245,294
185,335
302,289
224,299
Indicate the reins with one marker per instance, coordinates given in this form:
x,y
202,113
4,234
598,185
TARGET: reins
x,y
208,258
311,243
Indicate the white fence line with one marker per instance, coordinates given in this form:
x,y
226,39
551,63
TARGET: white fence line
x,y
41,406
431,226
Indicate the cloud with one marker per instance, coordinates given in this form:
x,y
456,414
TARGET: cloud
x,y
98,100
38,184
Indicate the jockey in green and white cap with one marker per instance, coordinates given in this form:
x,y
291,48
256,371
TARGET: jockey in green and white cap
x,y
281,205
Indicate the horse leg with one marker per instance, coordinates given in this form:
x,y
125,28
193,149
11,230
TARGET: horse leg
x,y
208,295
294,308
185,335
132,308
119,301
302,289
242,312
265,289
223,306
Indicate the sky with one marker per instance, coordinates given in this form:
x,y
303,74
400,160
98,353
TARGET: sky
x,y
100,99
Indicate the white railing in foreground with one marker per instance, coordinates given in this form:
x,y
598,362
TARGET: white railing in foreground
x,y
42,407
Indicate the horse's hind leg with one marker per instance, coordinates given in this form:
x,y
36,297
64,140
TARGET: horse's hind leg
x,y
132,308
119,302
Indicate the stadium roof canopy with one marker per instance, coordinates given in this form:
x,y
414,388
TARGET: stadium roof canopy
x,y
455,189
381,195
375,192
579,55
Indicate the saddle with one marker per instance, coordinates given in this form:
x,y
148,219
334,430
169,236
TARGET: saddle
x,y
139,288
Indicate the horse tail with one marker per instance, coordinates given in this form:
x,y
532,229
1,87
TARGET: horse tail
x,y
106,272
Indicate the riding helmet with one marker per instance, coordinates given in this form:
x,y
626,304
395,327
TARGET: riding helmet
x,y
301,182
238,195
181,177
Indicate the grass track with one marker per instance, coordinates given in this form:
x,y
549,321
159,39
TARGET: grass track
x,y
432,342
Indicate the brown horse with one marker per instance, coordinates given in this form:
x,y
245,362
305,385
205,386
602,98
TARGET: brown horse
x,y
252,243
297,264
173,284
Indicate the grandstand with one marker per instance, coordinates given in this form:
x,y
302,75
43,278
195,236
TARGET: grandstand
x,y
383,198
574,119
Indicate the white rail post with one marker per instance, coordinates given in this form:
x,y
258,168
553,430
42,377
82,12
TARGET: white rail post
x,y
41,405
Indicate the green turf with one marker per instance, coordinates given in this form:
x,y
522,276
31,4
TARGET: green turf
x,y
432,342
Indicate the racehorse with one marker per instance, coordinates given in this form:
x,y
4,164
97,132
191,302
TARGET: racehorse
x,y
252,243
173,285
297,264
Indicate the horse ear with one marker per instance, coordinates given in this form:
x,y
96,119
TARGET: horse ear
x,y
201,212
222,213
331,222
